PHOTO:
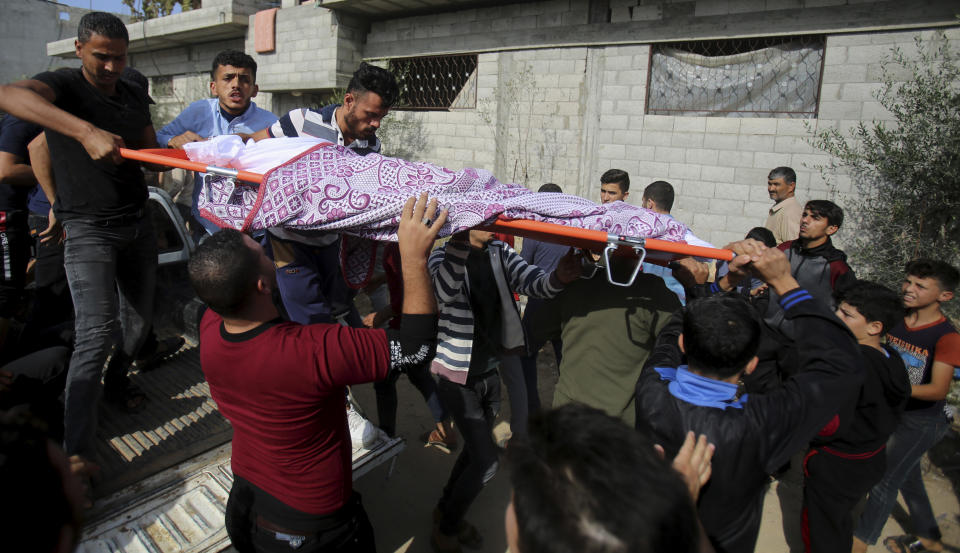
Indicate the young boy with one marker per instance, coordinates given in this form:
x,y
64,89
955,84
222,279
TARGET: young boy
x,y
842,465
930,348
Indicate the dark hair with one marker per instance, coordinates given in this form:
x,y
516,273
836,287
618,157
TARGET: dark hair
x,y
763,234
583,481
37,507
828,210
550,187
720,335
101,23
661,192
944,273
224,272
234,58
618,176
785,173
370,78
875,302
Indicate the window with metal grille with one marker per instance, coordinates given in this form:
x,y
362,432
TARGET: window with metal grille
x,y
437,83
755,77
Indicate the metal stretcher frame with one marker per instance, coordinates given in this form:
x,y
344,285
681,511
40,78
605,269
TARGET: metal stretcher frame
x,y
609,243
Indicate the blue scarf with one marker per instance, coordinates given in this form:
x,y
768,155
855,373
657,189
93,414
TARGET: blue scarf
x,y
700,390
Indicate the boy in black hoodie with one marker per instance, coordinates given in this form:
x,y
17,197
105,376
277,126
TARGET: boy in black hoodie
x,y
718,336
848,456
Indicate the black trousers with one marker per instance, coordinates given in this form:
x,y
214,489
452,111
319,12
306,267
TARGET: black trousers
x,y
259,523
832,487
474,407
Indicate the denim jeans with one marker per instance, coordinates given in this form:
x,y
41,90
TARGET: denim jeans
x,y
386,390
101,260
913,437
474,407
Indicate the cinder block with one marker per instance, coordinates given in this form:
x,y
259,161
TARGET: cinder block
x,y
840,110
571,81
646,13
658,122
686,205
655,169
723,124
729,208
768,160
753,142
562,66
687,139
690,124
707,8
705,223
732,191
620,62
669,154
736,158
851,39
834,55
631,77
793,127
629,107
698,189
791,145
614,122
611,151
754,178
754,126
721,237
720,141
627,137
641,153
718,174
656,138
874,111
684,171
845,73
701,156
808,161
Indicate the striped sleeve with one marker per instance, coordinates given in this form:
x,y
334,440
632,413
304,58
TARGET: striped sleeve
x,y
448,268
526,278
289,125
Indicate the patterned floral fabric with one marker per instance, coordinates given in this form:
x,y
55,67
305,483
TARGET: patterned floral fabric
x,y
330,188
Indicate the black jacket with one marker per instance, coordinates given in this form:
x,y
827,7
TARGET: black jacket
x,y
755,441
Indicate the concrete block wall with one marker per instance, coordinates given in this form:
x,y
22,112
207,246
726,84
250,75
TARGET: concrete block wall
x,y
315,49
25,29
591,118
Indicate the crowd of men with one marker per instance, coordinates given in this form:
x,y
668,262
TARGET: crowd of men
x,y
678,396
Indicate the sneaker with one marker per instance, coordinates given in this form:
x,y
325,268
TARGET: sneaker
x,y
362,432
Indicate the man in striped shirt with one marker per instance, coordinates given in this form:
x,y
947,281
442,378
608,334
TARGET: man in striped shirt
x,y
308,275
475,277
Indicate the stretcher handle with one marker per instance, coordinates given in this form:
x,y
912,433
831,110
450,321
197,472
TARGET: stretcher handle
x,y
609,250
178,159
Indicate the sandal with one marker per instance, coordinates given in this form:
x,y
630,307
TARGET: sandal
x,y
125,396
903,544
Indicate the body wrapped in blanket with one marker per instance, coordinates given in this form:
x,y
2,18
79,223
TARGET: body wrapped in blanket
x,y
324,187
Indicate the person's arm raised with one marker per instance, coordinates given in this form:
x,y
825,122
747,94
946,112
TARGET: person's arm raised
x,y
32,100
419,225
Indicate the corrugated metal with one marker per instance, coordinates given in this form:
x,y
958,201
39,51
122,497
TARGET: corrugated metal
x,y
179,421
185,515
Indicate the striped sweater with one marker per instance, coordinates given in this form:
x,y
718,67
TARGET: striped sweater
x,y
455,329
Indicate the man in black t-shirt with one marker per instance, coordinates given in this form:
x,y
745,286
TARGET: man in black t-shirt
x,y
89,114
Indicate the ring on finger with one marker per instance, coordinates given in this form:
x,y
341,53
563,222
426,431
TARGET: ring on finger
x,y
426,221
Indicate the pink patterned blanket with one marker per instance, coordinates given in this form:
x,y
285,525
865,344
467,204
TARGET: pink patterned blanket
x,y
330,188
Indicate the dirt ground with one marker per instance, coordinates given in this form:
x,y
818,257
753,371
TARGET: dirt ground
x,y
400,504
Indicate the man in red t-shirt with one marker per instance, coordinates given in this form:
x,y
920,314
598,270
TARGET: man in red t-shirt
x,y
281,385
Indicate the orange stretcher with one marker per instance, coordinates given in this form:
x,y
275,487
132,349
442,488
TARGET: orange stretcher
x,y
661,251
